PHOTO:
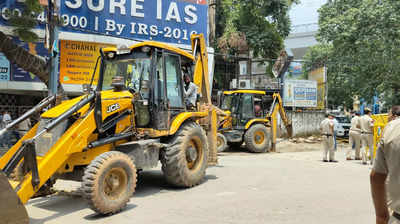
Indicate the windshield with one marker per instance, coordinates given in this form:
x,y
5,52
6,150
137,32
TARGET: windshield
x,y
226,102
343,119
133,70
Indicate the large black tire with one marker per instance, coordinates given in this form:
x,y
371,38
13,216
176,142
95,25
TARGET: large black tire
x,y
258,138
184,162
221,143
109,182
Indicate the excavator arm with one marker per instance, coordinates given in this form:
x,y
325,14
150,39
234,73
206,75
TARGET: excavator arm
x,y
201,79
277,107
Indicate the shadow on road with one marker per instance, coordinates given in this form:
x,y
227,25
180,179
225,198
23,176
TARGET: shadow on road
x,y
151,182
96,216
60,205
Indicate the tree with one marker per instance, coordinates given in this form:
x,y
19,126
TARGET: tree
x,y
257,25
22,28
360,46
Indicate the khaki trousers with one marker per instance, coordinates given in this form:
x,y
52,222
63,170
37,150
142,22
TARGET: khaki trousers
x,y
328,144
354,139
367,140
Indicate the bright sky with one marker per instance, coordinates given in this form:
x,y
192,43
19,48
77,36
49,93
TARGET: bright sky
x,y
305,12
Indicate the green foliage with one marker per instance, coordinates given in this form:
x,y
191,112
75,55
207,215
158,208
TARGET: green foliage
x,y
256,25
359,43
25,22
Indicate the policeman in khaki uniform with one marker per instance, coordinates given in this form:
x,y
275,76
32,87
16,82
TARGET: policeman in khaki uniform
x,y
327,129
366,124
385,174
354,137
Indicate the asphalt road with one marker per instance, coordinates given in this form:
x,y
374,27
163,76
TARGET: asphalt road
x,y
274,188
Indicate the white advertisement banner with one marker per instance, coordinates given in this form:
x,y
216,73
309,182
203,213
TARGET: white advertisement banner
x,y
300,93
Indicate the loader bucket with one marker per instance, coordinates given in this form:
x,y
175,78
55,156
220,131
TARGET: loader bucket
x,y
12,211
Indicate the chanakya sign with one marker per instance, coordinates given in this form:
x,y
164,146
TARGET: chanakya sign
x,y
300,93
171,21
78,60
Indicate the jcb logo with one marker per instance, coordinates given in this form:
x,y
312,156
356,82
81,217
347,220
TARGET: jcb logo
x,y
113,107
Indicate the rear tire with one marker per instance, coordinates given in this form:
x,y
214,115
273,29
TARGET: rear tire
x,y
109,182
221,143
258,138
185,161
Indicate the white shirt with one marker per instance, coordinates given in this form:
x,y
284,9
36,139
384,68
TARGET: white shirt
x,y
191,93
335,124
7,118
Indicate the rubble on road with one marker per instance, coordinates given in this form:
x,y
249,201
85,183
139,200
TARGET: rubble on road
x,y
310,140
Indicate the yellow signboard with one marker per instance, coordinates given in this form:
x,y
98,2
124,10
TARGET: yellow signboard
x,y
318,75
78,60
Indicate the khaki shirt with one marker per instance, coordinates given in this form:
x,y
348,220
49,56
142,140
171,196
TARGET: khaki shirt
x,y
354,122
326,126
366,124
387,162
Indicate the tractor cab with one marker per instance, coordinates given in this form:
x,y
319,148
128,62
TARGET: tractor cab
x,y
152,74
251,119
245,105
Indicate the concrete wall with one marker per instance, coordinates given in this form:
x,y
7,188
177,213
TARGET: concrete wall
x,y
304,123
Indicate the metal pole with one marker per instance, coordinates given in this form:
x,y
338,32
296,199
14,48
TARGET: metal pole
x,y
53,48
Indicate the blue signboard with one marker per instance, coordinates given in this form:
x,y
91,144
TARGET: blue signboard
x,y
12,6
19,74
171,21
4,68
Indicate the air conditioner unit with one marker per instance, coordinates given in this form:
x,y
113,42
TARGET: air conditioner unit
x,y
244,84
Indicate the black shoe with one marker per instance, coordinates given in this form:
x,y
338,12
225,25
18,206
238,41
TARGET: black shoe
x,y
325,160
333,161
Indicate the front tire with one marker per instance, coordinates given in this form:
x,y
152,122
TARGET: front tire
x,y
258,138
184,162
221,143
109,182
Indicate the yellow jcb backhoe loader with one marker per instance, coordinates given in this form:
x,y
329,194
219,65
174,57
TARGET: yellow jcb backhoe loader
x,y
251,118
134,117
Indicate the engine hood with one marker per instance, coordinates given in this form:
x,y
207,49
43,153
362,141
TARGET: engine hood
x,y
67,104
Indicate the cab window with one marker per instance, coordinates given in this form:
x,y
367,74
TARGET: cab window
x,y
174,81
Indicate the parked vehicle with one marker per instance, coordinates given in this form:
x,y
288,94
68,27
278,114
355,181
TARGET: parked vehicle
x,y
344,125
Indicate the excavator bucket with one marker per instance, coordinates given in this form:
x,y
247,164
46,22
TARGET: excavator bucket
x,y
12,211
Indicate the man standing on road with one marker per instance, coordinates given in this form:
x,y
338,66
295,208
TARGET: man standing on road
x,y
327,129
366,125
354,137
385,174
